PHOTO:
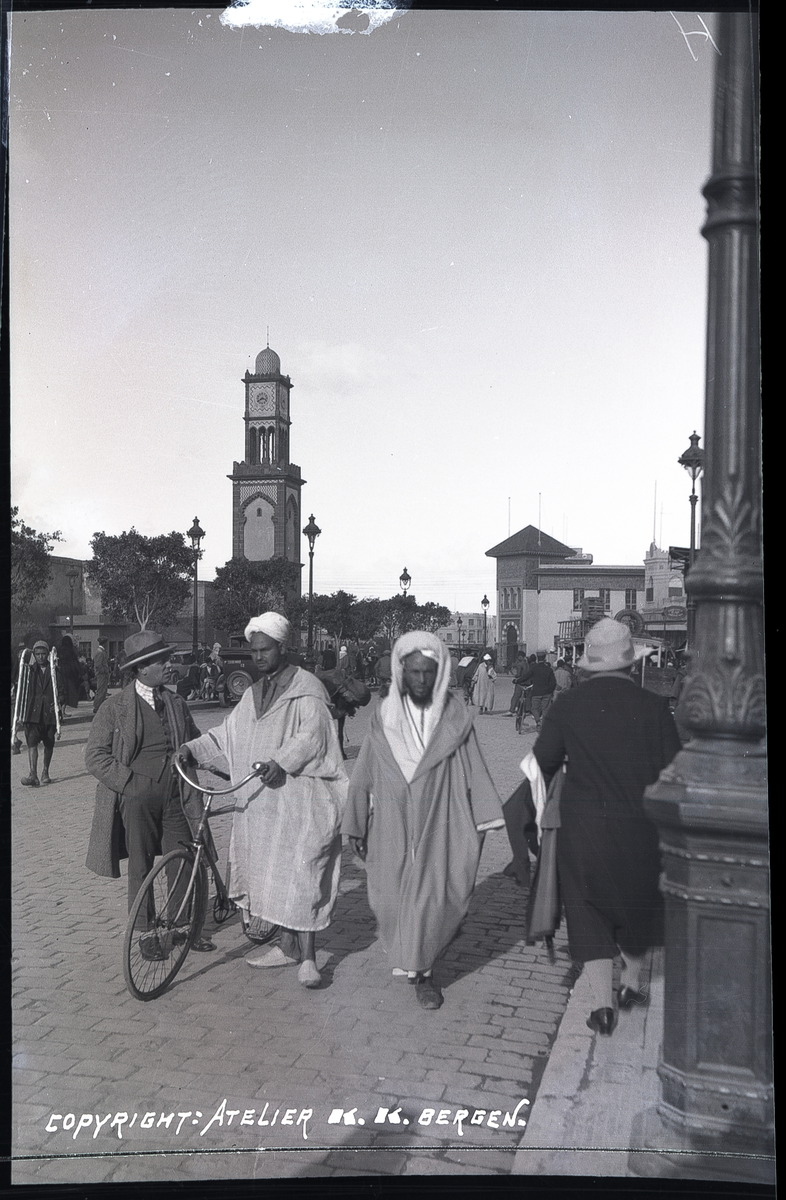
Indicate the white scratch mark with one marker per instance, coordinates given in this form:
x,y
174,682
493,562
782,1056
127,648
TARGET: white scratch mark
x,y
696,33
312,16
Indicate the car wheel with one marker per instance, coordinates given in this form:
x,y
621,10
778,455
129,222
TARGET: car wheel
x,y
237,682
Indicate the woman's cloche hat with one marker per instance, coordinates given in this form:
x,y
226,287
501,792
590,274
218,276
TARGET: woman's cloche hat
x,y
144,646
609,647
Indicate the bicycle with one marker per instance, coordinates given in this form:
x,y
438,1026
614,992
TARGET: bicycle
x,y
173,901
521,709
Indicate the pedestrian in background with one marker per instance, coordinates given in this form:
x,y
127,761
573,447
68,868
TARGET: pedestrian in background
x,y
420,798
484,684
70,670
617,738
522,678
383,673
543,687
101,672
562,677
44,696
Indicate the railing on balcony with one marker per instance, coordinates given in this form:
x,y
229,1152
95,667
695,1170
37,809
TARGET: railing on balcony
x,y
574,631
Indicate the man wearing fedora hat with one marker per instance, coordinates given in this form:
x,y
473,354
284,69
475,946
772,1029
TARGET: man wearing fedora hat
x,y
617,738
130,748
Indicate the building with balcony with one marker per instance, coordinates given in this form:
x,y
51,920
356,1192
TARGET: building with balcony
x,y
549,594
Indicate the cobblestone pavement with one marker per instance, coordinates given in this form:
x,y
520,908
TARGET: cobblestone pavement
x,y
235,1073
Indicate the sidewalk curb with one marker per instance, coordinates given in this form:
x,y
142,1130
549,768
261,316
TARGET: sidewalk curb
x,y
593,1088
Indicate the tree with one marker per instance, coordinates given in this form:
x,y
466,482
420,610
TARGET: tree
x,y
243,589
367,617
334,614
432,617
399,614
140,577
31,568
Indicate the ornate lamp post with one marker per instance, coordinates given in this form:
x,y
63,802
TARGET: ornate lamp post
x,y
459,623
312,532
715,1119
693,462
72,575
196,534
484,604
405,579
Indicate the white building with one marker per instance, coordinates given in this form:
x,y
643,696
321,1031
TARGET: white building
x,y
548,594
470,634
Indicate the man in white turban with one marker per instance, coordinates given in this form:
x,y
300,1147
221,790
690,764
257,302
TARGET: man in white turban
x,y
420,799
285,849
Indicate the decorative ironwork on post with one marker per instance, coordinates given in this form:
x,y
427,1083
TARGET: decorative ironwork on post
x,y
715,1117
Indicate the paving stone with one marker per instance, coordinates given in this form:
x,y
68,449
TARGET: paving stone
x,y
224,1031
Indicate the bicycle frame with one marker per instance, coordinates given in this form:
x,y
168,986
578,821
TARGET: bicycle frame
x,y
198,843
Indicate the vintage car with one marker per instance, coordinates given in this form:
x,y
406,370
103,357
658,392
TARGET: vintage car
x,y
240,671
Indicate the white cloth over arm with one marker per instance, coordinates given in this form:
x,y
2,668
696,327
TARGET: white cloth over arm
x,y
531,768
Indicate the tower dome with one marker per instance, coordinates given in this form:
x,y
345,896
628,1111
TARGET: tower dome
x,y
268,363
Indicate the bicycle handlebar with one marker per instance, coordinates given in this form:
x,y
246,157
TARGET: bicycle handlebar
x,y
219,791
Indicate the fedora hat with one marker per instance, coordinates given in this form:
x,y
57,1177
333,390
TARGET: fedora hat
x,y
144,646
609,647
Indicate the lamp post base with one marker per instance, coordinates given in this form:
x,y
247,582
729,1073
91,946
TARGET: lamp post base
x,y
665,1152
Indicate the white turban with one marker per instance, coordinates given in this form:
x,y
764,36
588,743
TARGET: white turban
x,y
272,624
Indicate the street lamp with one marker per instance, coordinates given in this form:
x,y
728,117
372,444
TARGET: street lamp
x,y
693,462
459,623
405,579
484,604
196,534
312,532
72,575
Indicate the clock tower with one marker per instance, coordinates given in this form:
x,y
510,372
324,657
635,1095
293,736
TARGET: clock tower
x,y
266,485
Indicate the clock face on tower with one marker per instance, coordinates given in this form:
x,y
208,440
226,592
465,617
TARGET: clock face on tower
x,y
262,399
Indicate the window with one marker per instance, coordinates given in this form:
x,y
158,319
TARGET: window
x,y
472,620
675,586
605,595
578,597
649,595
448,637
630,597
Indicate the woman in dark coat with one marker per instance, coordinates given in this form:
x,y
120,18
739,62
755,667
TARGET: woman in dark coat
x,y
617,738
70,670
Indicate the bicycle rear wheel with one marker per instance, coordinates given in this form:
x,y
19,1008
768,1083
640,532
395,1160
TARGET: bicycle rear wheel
x,y
166,918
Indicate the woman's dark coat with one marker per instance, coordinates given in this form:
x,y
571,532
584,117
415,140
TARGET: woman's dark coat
x,y
618,737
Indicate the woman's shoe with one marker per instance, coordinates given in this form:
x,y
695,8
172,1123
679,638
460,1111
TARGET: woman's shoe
x,y
629,996
602,1021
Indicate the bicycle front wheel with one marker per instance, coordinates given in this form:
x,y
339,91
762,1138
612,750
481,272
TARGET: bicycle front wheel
x,y
166,919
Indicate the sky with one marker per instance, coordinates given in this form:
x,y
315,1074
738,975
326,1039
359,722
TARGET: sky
x,y
473,236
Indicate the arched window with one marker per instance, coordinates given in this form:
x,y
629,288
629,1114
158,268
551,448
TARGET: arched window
x,y
272,445
675,586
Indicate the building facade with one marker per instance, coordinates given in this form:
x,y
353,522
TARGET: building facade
x,y
266,485
77,612
472,635
549,594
